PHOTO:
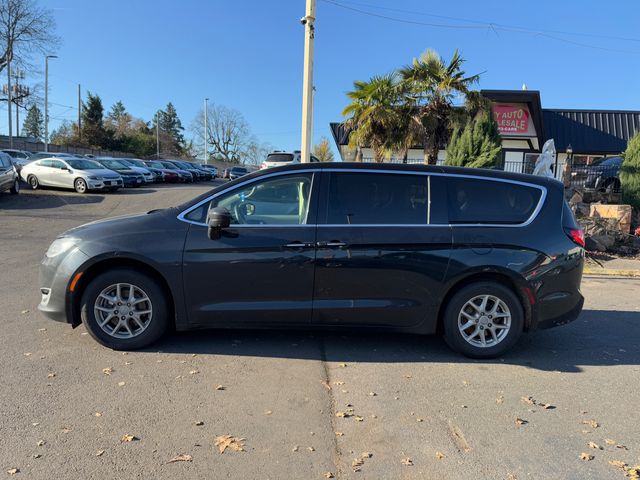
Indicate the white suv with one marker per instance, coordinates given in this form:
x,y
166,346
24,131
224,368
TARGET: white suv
x,y
279,159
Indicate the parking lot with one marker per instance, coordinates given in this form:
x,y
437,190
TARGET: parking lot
x,y
307,404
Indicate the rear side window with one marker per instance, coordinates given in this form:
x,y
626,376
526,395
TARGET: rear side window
x,y
478,201
376,198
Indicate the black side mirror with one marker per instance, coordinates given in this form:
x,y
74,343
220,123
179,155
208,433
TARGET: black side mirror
x,y
218,218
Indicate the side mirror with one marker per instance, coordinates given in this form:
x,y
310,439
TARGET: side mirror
x,y
218,218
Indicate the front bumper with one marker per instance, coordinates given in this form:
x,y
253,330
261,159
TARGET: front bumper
x,y
132,181
104,184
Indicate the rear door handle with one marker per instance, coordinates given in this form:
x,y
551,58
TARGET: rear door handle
x,y
299,245
332,244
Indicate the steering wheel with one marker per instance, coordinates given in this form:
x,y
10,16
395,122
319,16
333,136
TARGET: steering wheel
x,y
240,213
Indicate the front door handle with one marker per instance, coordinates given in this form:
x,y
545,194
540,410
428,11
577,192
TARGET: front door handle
x,y
332,244
299,245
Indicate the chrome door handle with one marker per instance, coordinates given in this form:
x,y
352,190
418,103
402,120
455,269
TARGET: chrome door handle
x,y
332,244
299,245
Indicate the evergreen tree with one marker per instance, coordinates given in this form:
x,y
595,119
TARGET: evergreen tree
x,y
34,123
117,112
170,123
93,131
630,173
477,144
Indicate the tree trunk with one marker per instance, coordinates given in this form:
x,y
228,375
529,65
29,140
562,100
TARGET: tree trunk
x,y
358,155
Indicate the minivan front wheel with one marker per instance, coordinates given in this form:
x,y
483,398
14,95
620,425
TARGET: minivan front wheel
x,y
483,320
124,310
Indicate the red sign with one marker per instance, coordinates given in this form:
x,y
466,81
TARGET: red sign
x,y
511,118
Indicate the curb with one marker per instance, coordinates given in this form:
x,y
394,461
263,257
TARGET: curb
x,y
610,272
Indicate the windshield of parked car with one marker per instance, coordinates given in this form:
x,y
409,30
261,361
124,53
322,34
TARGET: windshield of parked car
x,y
114,164
153,164
280,157
137,163
84,164
239,170
170,166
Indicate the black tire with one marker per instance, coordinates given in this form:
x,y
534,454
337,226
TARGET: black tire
x,y
33,182
454,337
16,187
80,185
158,321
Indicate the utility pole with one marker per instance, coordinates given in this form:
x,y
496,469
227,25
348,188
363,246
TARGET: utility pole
x,y
79,114
9,101
46,101
206,150
307,83
158,134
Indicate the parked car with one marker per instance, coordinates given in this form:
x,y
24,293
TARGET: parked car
x,y
169,176
20,157
602,175
197,174
183,175
206,173
147,175
156,173
9,179
39,155
280,159
130,177
212,168
237,172
79,174
479,255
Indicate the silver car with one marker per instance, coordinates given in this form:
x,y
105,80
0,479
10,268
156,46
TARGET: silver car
x,y
79,174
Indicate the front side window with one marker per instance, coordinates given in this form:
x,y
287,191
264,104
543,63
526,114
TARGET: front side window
x,y
58,164
478,201
281,200
357,198
46,163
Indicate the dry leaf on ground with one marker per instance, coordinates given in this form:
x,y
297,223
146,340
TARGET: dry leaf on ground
x,y
356,463
344,414
586,457
220,387
366,455
591,423
528,400
40,443
311,449
129,438
121,384
194,372
520,421
339,434
407,461
358,418
99,453
51,375
617,463
227,441
594,445
328,475
609,441
13,471
440,455
198,423
183,457
107,371
326,385
342,365
98,414
295,448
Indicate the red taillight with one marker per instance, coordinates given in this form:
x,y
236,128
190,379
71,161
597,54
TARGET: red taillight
x,y
576,235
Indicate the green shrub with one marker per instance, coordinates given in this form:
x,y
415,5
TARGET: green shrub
x,y
477,145
630,173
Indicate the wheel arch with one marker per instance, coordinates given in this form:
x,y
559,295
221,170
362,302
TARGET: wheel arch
x,y
505,279
104,264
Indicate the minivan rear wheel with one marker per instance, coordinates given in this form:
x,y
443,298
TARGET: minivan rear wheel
x,y
124,310
483,320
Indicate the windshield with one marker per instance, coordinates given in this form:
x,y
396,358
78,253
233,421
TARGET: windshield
x,y
114,164
84,164
137,163
239,170
153,164
280,157
170,166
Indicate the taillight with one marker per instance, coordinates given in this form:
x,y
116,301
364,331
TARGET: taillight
x,y
263,166
576,235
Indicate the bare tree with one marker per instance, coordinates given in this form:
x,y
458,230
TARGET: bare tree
x,y
255,152
25,29
228,133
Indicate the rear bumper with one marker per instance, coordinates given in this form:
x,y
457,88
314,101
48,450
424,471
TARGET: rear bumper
x,y
556,315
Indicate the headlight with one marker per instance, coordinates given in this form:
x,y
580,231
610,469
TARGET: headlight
x,y
93,178
61,245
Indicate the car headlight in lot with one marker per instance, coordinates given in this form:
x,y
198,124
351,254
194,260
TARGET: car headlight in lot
x,y
61,245
93,178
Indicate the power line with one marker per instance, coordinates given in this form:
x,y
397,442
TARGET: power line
x,y
482,26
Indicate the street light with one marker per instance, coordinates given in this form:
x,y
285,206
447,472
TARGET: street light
x,y
46,101
206,153
307,82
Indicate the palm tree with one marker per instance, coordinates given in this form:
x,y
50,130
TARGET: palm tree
x,y
432,85
375,116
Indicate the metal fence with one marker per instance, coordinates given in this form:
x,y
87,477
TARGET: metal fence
x,y
22,144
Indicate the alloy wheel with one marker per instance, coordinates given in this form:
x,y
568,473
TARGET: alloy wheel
x,y
123,310
484,321
80,186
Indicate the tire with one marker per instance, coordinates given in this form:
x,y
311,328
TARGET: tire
x,y
80,186
127,334
16,187
509,310
33,182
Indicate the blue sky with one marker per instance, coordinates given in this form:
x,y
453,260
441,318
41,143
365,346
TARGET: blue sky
x,y
247,54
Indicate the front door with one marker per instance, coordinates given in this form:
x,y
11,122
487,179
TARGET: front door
x,y
383,249
260,271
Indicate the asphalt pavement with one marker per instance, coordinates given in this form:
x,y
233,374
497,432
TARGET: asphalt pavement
x,y
301,404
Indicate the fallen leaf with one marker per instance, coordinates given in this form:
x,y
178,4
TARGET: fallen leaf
x,y
344,414
24,311
339,434
311,449
121,384
356,463
520,421
227,441
199,423
342,365
594,445
295,448
51,375
99,453
40,443
586,457
128,363
440,455
98,414
108,370
37,455
546,406
13,471
366,455
338,382
326,384
66,429
183,457
129,438
27,354
358,418
591,423
500,399
407,461
268,412
220,387
419,420
609,441
622,447
372,394
328,475
617,463
528,400
194,372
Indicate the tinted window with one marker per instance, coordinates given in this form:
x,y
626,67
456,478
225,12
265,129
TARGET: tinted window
x,y
486,201
58,164
376,198
84,164
282,200
4,161
46,163
279,157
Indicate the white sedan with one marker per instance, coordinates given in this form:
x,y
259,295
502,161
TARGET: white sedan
x,y
79,174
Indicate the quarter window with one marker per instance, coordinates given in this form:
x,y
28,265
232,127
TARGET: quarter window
x,y
477,201
281,200
356,198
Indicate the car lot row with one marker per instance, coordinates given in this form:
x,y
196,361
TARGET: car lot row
x,y
83,174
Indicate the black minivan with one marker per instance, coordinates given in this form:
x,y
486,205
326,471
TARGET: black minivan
x,y
477,255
